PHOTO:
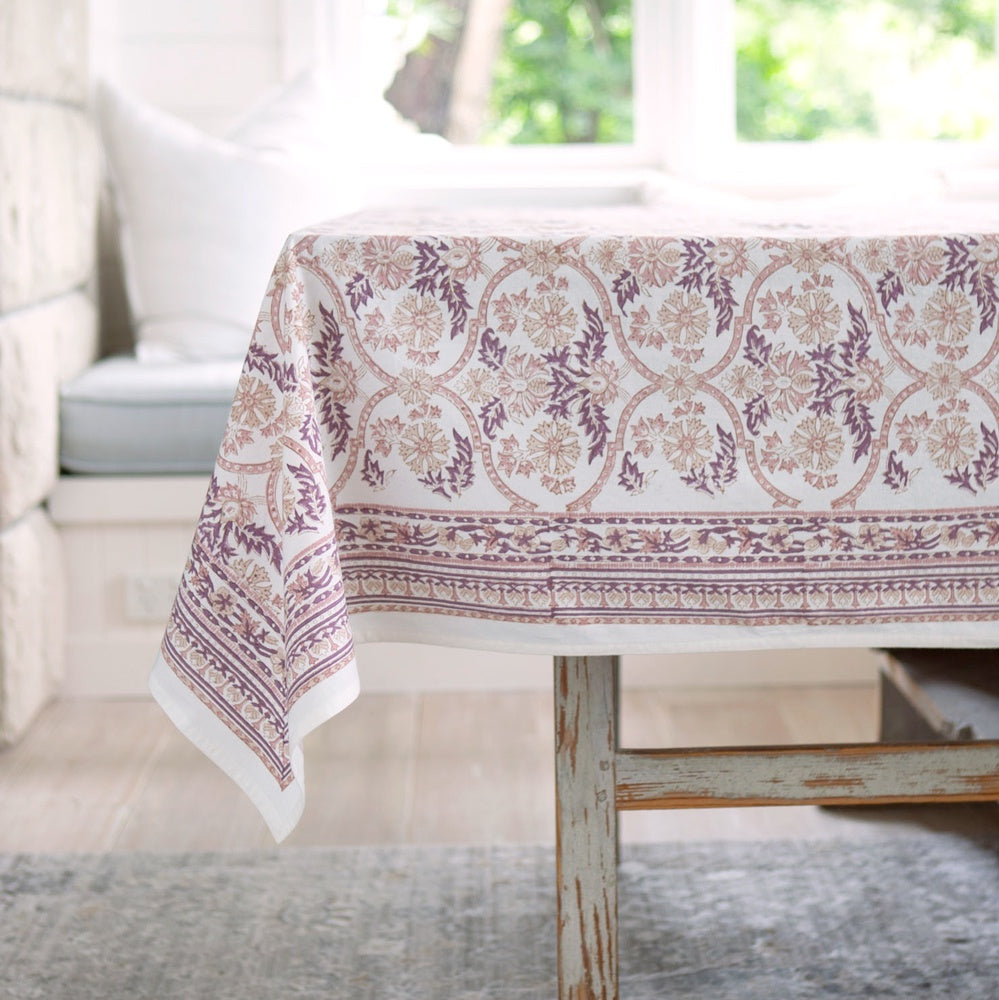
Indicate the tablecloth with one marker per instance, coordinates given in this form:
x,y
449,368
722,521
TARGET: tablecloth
x,y
636,429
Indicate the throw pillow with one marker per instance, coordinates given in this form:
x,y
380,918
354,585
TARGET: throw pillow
x,y
202,222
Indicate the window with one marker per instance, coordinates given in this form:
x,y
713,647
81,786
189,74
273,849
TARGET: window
x,y
765,96
519,72
854,69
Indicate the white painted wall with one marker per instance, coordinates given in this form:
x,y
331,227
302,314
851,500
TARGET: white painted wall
x,y
206,61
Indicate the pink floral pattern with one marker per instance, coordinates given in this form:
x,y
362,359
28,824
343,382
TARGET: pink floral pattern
x,y
579,428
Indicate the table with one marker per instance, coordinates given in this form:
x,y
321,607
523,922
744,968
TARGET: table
x,y
637,429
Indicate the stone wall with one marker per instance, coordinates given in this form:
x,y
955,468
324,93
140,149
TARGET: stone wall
x,y
49,174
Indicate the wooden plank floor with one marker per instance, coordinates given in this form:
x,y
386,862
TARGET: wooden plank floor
x,y
469,768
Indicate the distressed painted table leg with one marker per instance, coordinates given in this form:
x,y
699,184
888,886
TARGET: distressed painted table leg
x,y
586,826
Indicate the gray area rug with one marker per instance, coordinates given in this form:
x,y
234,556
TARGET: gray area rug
x,y
909,918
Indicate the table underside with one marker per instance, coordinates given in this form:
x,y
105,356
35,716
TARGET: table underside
x,y
595,778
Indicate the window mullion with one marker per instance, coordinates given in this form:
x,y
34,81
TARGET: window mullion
x,y
684,69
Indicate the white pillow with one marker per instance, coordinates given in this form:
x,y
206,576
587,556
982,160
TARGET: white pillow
x,y
202,222
300,120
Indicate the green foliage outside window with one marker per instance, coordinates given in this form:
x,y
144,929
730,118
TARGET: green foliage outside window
x,y
564,73
805,69
847,69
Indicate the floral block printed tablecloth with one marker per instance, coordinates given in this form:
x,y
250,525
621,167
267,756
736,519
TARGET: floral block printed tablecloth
x,y
630,430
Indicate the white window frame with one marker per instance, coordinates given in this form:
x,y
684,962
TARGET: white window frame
x,y
684,94
695,136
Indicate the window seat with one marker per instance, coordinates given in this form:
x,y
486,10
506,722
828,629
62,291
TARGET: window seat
x,y
123,416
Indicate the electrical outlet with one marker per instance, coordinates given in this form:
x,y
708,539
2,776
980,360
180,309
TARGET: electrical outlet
x,y
149,596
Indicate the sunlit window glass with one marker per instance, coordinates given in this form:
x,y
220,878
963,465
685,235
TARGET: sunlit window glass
x,y
862,69
515,71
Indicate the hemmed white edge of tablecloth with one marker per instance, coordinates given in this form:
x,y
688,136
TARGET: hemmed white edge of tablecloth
x,y
644,639
280,808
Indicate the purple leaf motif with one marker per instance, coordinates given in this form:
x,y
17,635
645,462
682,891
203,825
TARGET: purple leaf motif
x,y
311,498
493,417
860,424
458,475
359,292
720,290
310,434
986,465
700,273
564,380
983,287
281,374
309,584
461,469
723,467
593,346
828,379
833,372
965,271
326,353
454,296
625,288
593,420
330,345
428,264
961,478
889,289
857,345
491,352
896,475
372,472
720,472
254,538
757,349
757,413
297,524
631,476
434,277
698,479
569,370
337,423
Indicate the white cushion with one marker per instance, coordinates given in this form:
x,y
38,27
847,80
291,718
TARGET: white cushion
x,y
303,119
125,416
299,120
203,220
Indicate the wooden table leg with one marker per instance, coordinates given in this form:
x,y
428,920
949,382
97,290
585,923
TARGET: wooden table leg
x,y
586,826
